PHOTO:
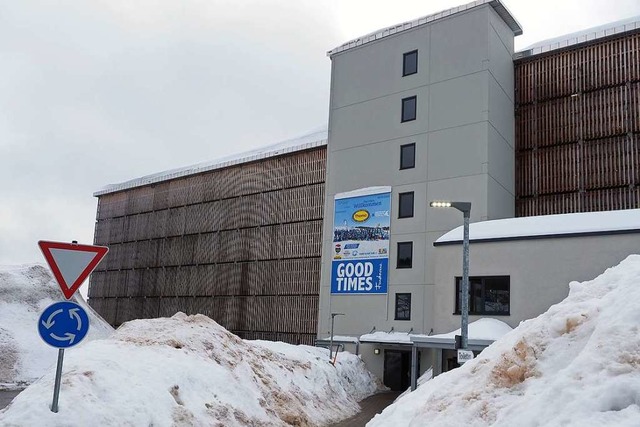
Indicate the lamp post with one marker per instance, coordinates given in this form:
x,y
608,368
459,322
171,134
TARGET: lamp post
x,y
465,208
333,316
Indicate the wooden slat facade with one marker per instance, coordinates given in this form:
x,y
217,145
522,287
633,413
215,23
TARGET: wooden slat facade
x,y
578,128
241,245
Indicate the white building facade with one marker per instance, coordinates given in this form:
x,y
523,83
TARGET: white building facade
x,y
425,109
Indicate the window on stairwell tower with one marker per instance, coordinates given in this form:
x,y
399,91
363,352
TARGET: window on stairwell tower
x,y
405,255
403,307
408,156
409,106
410,63
405,205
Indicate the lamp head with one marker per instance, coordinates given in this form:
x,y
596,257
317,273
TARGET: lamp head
x,y
464,207
440,204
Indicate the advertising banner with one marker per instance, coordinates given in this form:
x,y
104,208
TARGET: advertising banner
x,y
361,241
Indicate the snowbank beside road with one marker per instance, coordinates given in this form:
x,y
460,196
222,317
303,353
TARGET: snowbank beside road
x,y
25,291
578,364
188,370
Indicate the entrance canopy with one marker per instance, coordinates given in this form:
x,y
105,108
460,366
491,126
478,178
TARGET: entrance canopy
x,y
482,333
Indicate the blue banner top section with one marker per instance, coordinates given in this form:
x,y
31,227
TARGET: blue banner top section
x,y
371,211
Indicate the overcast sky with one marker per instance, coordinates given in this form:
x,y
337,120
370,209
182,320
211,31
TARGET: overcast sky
x,y
102,91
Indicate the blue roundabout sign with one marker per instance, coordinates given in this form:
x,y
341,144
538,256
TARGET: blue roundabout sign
x,y
63,324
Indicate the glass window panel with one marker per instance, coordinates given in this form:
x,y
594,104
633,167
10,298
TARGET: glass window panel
x,y
403,307
409,109
487,295
410,63
408,156
406,205
405,255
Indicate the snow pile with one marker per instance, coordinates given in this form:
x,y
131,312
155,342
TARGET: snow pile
x,y
188,370
25,291
578,364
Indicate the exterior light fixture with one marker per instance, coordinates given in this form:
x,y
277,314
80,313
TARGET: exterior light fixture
x,y
376,351
465,208
440,204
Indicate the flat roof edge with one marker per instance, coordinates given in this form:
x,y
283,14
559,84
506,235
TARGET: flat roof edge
x,y
541,236
206,167
580,38
449,343
507,17
497,5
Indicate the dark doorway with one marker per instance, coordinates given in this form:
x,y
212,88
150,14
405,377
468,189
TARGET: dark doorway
x,y
397,369
449,360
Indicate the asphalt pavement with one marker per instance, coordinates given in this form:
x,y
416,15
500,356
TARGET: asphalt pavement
x,y
7,396
369,407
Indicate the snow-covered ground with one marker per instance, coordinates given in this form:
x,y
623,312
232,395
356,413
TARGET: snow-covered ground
x,y
190,371
578,364
25,291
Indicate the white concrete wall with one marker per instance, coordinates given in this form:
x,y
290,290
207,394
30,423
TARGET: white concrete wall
x,y
540,271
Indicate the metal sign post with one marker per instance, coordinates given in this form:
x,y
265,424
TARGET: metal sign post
x,y
56,387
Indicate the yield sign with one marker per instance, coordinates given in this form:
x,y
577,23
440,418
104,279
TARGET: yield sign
x,y
71,263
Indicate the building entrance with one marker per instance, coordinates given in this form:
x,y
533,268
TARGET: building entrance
x,y
397,369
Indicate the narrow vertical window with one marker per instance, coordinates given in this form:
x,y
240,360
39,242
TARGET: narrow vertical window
x,y
410,63
405,200
403,307
405,255
409,108
408,156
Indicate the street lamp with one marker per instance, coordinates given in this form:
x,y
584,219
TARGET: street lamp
x,y
333,316
465,208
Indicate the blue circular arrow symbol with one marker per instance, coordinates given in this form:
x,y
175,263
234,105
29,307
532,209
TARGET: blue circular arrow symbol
x,y
63,324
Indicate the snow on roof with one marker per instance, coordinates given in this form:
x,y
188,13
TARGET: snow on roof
x,y
394,29
583,36
341,339
315,138
387,337
549,225
482,329
482,333
485,329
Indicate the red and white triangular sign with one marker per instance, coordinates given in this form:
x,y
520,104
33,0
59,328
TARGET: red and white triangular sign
x,y
71,263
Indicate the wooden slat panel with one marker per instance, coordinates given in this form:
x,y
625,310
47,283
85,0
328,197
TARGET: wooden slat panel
x,y
211,244
150,307
97,285
577,116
